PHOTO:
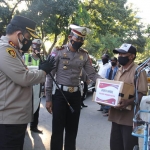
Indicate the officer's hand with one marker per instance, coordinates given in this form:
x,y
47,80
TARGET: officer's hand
x,y
48,65
49,106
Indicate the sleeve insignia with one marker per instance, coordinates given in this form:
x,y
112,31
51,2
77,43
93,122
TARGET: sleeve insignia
x,y
83,50
11,52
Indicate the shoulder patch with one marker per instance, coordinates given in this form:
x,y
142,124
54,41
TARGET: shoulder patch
x,y
83,50
12,44
11,52
59,48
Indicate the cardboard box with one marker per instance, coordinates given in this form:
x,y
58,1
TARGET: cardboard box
x,y
148,79
109,92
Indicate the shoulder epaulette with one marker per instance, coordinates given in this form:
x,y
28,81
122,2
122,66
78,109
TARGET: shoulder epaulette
x,y
59,48
84,50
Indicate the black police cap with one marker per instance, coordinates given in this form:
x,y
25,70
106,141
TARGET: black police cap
x,y
25,23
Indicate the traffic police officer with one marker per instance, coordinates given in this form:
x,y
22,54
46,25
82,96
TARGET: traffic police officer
x,y
16,82
70,59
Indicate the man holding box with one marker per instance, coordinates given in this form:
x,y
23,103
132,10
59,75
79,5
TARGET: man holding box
x,y
122,124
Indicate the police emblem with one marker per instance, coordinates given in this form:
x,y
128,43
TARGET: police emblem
x,y
71,89
11,52
81,57
84,31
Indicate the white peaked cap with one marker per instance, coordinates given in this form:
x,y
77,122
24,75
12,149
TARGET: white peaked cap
x,y
37,41
80,31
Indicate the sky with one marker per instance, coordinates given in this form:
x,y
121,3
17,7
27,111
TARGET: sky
x,y
144,9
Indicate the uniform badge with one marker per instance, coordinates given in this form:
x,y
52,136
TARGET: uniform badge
x,y
65,62
81,57
11,52
71,89
84,31
64,67
12,44
65,55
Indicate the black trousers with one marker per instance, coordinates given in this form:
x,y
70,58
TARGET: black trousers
x,y
85,90
35,121
12,136
63,118
121,138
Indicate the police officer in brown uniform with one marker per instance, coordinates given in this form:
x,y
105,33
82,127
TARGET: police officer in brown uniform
x,y
70,59
16,82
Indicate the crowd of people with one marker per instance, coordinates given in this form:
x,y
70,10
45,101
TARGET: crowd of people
x,y
67,65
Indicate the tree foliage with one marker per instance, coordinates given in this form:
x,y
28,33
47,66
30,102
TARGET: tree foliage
x,y
110,21
51,16
8,8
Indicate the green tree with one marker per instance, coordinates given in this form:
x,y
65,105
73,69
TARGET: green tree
x,y
8,8
137,38
52,17
109,21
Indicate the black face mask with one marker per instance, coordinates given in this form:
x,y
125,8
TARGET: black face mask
x,y
113,63
22,53
123,60
26,44
76,45
104,61
38,49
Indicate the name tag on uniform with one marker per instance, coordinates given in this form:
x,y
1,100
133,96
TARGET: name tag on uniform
x,y
65,58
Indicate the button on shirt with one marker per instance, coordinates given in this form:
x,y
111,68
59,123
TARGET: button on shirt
x,y
125,117
103,70
68,68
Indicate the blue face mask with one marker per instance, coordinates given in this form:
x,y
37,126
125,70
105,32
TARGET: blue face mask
x,y
76,45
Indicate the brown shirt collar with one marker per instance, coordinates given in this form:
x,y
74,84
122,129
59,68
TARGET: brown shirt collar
x,y
127,69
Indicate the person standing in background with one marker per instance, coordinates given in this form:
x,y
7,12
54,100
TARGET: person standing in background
x,y
103,69
110,74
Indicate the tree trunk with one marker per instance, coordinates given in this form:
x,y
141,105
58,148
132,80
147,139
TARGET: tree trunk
x,y
55,40
65,40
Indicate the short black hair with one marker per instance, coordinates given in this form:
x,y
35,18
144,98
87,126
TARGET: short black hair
x,y
114,58
106,56
10,29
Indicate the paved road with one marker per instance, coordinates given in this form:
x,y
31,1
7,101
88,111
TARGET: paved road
x,y
93,133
